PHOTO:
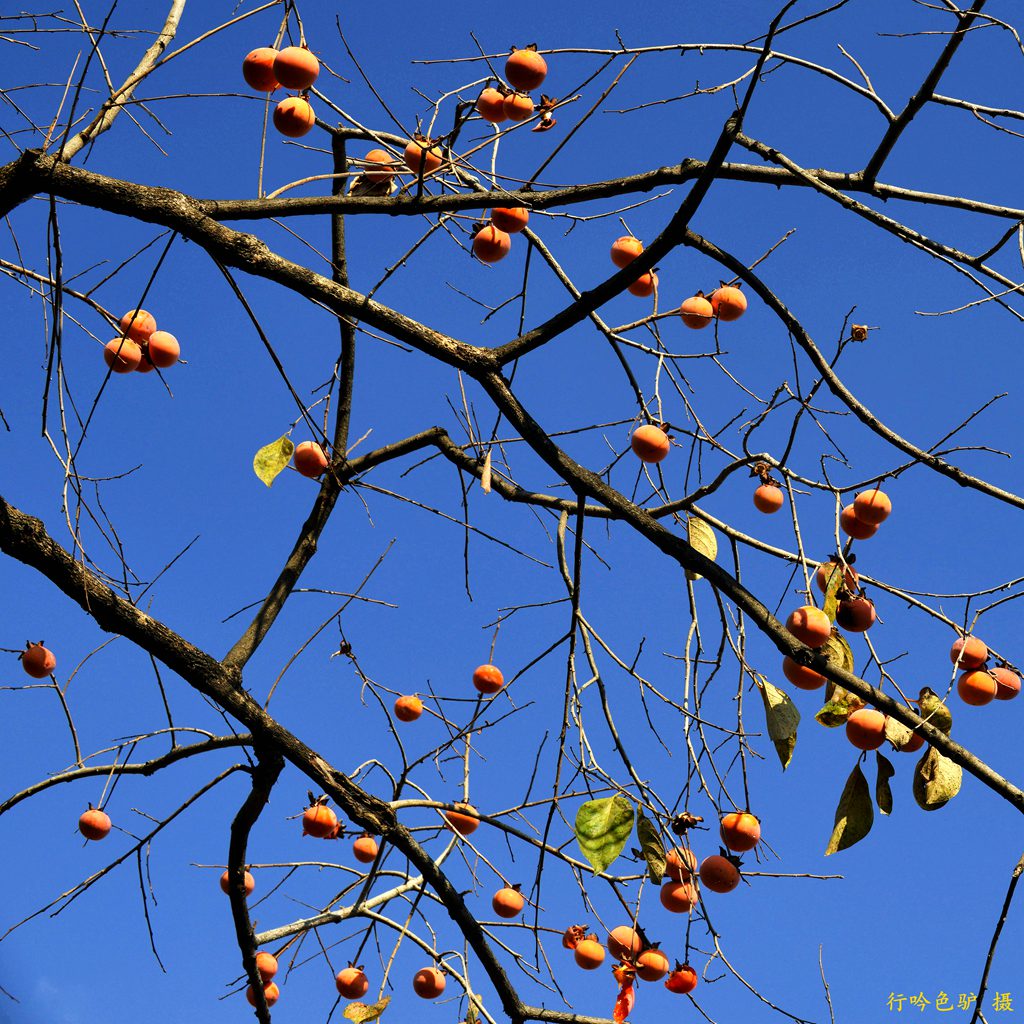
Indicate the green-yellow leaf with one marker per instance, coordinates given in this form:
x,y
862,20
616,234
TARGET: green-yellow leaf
x,y
837,650
651,847
702,539
835,581
361,1013
883,794
602,828
934,711
272,458
936,780
854,815
782,717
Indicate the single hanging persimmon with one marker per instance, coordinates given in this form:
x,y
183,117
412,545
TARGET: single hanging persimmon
x,y
364,849
680,864
508,902
491,244
652,965
719,874
94,824
320,822
488,678
428,983
968,652
490,105
38,661
296,68
378,166
872,507
459,821
408,708
810,625
768,498
137,324
626,249
162,350
856,614
249,883
271,993
1007,682
678,897
517,106
802,676
511,219
977,688
854,527
865,728
294,117
589,953
351,983
624,942
309,458
266,966
728,303
421,152
696,312
526,69
740,831
649,443
682,980
258,69
644,285
122,355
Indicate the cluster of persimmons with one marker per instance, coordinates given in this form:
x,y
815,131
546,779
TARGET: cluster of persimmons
x,y
141,347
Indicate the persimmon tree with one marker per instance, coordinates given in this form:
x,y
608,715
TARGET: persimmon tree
x,y
524,563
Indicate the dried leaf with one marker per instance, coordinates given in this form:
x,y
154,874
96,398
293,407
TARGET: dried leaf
x,y
602,828
835,581
838,651
782,717
934,711
854,815
897,733
272,458
702,539
485,474
363,1012
651,847
883,794
936,780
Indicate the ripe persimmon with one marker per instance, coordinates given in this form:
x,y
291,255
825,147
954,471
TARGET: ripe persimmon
x,y
854,527
1007,682
428,983
589,953
728,303
320,822
163,349
94,824
680,864
225,883
678,897
857,614
488,678
851,581
810,625
378,165
802,676
351,983
696,311
461,822
768,498
309,458
122,355
271,993
915,743
626,249
258,69
652,965
408,708
976,688
38,661
872,507
682,980
719,874
137,324
649,443
968,652
419,152
294,117
364,849
525,69
508,902
624,942
296,68
490,105
511,219
490,244
865,728
517,106
740,831
266,965
644,285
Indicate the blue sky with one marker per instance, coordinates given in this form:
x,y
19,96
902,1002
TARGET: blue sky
x,y
888,925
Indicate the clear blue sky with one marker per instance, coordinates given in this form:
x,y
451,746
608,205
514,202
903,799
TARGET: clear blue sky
x,y
919,897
